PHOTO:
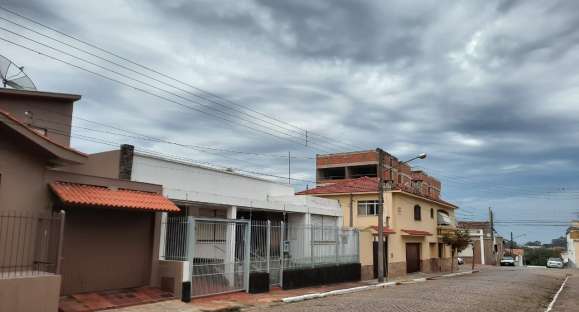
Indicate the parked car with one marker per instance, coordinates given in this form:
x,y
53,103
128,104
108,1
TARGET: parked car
x,y
460,260
555,263
508,260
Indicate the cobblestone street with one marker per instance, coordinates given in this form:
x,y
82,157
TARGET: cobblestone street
x,y
493,289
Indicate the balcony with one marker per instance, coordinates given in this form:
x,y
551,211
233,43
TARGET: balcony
x,y
445,229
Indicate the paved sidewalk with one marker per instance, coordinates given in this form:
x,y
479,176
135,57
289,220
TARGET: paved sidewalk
x,y
238,300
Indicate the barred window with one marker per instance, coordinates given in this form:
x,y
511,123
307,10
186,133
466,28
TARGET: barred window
x,y
368,207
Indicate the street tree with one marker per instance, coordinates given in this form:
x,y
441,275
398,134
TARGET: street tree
x,y
458,241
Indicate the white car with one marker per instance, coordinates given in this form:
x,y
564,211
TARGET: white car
x,y
508,260
555,263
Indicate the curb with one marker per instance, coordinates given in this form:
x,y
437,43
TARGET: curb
x,y
369,287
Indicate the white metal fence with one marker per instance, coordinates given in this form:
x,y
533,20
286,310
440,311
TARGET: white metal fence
x,y
274,247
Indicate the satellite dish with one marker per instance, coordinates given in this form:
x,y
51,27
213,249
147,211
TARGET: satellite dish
x,y
13,75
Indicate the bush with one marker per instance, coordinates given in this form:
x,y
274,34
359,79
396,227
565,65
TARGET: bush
x,y
539,256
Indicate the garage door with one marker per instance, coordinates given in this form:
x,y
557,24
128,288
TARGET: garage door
x,y
412,257
106,249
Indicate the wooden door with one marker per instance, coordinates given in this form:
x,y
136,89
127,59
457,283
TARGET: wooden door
x,y
412,257
375,258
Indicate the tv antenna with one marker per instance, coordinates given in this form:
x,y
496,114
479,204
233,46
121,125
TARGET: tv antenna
x,y
13,76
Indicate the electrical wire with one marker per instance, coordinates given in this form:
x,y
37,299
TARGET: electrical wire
x,y
211,100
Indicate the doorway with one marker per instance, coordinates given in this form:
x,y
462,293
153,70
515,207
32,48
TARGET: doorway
x,y
412,257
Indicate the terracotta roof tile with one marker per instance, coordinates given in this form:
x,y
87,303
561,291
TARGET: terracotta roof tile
x,y
363,185
386,230
417,232
359,185
90,195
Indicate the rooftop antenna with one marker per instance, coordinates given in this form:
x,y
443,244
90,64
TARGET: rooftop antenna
x,y
13,76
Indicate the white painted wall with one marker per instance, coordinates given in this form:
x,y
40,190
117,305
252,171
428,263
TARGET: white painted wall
x,y
182,181
572,251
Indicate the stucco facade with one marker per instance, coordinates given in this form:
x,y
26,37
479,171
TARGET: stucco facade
x,y
573,245
398,216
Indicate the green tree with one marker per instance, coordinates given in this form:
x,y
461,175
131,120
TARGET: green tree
x,y
535,243
539,256
457,242
559,242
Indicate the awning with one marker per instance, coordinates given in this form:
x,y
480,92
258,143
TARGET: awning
x,y
99,196
386,230
416,233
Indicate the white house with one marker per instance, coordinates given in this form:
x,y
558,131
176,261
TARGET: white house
x,y
208,192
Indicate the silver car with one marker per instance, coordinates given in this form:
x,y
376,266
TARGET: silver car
x,y
555,263
508,260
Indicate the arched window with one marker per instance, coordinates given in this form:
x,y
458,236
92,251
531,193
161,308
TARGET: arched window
x,y
417,213
431,213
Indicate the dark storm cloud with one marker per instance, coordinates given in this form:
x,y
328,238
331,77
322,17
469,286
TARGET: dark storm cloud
x,y
487,88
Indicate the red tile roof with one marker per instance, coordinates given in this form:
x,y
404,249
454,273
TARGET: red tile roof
x,y
386,230
359,185
363,185
47,139
417,232
100,196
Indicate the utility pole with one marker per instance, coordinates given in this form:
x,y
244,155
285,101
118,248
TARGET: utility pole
x,y
289,167
492,232
512,243
380,153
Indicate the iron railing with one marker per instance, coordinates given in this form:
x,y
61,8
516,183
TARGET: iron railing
x,y
30,243
275,246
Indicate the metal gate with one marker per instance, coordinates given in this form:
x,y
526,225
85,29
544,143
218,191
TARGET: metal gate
x,y
266,249
219,254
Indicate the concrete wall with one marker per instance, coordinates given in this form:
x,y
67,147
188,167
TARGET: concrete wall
x,y
186,182
22,186
171,276
106,249
30,294
105,164
398,215
48,111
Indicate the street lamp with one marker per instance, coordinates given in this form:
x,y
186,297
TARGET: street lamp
x,y
381,154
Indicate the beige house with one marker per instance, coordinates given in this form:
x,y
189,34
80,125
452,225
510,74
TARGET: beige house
x,y
64,232
415,218
573,244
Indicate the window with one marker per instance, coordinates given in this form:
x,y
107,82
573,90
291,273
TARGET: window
x,y
431,213
417,213
368,207
324,228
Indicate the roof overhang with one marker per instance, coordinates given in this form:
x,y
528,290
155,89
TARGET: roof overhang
x,y
59,154
95,196
375,231
407,232
445,204
65,97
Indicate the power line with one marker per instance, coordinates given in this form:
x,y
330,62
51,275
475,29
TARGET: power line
x,y
140,136
292,128
216,115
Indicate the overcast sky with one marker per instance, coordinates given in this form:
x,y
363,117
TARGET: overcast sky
x,y
488,89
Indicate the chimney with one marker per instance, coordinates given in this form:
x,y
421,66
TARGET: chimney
x,y
126,162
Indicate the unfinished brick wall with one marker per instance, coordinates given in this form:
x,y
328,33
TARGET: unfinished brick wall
x,y
401,175
346,158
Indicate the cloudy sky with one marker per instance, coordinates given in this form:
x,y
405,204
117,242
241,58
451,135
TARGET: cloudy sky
x,y
488,89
